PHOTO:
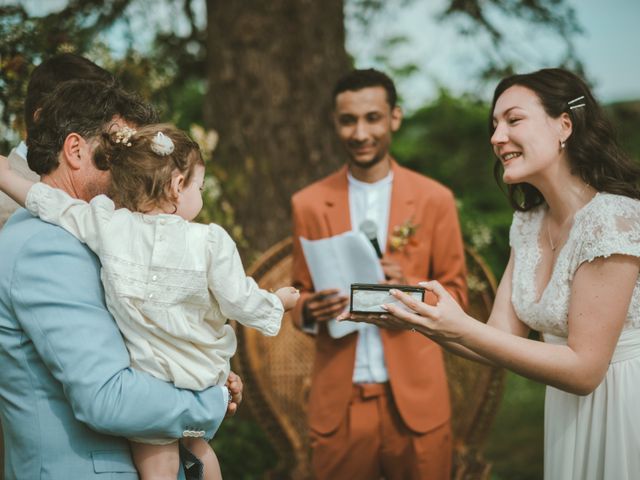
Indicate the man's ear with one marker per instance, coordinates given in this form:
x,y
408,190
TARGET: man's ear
x,y
72,150
396,118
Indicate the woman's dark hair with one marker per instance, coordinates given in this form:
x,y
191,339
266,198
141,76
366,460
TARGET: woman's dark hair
x,y
592,148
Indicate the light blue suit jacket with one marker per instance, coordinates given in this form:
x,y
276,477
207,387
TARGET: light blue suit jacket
x,y
67,393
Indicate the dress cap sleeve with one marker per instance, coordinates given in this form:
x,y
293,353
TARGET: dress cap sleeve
x,y
610,227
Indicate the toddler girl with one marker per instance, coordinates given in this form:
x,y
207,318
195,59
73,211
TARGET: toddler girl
x,y
170,284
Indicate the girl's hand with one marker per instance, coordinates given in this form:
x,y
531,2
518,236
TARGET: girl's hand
x,y
288,296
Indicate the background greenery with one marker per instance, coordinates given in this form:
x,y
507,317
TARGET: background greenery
x,y
446,139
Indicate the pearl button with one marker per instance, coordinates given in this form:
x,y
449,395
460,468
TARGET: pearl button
x,y
154,278
151,295
161,222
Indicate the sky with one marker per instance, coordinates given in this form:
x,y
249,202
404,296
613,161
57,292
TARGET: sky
x,y
608,48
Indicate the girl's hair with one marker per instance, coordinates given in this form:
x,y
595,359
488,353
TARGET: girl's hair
x,y
140,177
592,148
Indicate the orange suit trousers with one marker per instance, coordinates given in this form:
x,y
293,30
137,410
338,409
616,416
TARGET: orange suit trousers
x,y
372,443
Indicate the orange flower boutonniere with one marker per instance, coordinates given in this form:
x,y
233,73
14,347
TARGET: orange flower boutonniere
x,y
402,235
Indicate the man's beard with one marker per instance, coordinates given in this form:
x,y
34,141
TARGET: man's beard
x,y
368,164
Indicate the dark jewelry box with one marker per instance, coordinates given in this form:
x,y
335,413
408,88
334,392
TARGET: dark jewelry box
x,y
369,297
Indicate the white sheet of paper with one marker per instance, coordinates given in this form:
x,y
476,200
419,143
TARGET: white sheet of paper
x,y
339,261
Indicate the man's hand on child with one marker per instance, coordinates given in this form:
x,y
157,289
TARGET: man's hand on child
x,y
234,384
288,296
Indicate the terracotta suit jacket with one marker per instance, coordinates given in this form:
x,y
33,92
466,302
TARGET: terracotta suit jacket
x,y
414,363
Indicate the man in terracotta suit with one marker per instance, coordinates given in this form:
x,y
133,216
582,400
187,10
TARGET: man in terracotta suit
x,y
379,403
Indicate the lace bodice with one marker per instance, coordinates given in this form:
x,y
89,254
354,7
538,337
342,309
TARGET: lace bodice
x,y
607,225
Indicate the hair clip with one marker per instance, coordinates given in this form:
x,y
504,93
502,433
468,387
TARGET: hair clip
x,y
161,144
124,135
577,99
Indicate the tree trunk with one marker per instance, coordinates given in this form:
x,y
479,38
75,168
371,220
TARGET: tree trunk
x,y
271,69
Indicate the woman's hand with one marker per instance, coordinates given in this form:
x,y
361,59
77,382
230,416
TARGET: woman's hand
x,y
446,321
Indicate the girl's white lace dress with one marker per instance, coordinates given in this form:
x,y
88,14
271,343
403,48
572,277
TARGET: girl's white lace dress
x,y
596,436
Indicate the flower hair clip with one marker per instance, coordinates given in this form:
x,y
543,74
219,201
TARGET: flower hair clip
x,y
577,99
124,135
162,145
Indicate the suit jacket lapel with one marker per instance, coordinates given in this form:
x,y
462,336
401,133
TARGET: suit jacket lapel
x,y
336,201
402,200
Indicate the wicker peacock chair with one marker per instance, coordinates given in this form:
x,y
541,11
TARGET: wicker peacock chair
x,y
276,373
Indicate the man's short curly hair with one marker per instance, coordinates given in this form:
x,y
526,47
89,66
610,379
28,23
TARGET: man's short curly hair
x,y
85,107
359,79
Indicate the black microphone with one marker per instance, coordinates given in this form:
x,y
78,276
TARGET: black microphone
x,y
370,229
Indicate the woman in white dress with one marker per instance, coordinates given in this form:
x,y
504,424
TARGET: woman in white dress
x,y
572,275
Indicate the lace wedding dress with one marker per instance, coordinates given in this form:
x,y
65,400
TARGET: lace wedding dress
x,y
596,436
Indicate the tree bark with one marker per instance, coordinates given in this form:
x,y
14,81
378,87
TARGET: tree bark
x,y
271,69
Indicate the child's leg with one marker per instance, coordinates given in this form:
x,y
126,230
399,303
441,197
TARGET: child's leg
x,y
201,449
156,462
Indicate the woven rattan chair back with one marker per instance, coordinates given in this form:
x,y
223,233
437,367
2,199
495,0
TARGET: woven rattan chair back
x,y
276,373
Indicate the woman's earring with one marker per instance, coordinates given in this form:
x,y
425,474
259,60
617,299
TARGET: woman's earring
x,y
563,144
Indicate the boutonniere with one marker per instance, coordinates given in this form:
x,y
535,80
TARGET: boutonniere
x,y
402,235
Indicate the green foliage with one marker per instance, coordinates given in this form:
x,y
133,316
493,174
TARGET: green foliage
x,y
514,446
243,450
625,117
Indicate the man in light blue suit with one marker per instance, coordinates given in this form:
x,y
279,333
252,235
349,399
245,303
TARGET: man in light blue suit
x,y
68,396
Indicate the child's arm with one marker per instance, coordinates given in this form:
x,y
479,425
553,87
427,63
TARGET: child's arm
x,y
12,183
238,296
88,222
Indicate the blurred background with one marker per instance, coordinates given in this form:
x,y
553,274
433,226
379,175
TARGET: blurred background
x,y
251,81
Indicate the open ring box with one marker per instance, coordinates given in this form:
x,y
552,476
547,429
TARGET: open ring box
x,y
369,297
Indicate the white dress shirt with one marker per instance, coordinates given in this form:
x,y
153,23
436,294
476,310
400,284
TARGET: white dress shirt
x,y
21,150
370,201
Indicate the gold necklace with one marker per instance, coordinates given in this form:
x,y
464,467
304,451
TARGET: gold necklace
x,y
552,244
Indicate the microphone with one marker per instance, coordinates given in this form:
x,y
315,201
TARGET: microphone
x,y
370,229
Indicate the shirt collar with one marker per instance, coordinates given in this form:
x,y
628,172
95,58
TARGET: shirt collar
x,y
21,150
354,182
